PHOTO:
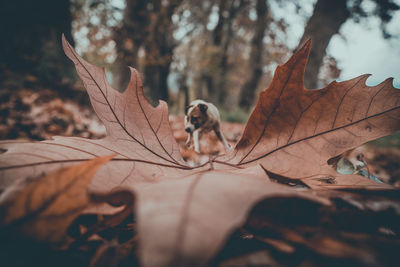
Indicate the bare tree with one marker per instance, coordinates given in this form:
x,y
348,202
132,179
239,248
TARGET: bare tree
x,y
247,93
221,36
129,38
327,18
159,47
146,27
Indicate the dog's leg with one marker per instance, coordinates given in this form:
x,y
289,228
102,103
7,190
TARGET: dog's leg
x,y
196,139
188,140
222,138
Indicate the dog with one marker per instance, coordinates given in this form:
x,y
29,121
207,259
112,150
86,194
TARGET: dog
x,y
202,117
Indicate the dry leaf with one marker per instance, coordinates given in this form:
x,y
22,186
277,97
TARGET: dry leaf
x,y
357,229
45,208
138,133
185,222
331,180
294,131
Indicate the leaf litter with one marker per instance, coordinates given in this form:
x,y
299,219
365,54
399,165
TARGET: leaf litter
x,y
227,209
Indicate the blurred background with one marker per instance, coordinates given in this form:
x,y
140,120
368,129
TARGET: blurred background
x,y
223,51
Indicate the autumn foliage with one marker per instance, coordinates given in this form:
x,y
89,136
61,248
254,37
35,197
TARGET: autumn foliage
x,y
131,198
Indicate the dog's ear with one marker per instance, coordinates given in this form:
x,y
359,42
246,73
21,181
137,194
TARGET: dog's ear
x,y
203,108
187,108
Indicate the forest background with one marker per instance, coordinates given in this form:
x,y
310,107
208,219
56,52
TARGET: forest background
x,y
223,51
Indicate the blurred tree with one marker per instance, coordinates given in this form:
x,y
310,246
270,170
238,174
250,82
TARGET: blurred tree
x,y
326,20
94,24
146,27
191,35
210,35
247,93
159,46
129,38
229,43
221,36
209,42
328,17
31,39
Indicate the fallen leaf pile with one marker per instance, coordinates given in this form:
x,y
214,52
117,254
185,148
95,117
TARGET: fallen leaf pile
x,y
274,200
36,115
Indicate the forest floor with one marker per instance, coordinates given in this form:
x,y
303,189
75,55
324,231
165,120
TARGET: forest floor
x,y
40,114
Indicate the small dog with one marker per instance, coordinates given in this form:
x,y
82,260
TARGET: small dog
x,y
202,117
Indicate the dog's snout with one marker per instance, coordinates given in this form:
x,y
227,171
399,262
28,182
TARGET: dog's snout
x,y
188,130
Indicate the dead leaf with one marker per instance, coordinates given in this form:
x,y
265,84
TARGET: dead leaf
x,y
333,180
347,232
45,208
330,180
294,131
138,133
185,222
255,259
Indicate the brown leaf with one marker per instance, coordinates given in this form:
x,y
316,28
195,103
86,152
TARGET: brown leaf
x,y
331,180
44,209
347,232
138,133
185,222
294,131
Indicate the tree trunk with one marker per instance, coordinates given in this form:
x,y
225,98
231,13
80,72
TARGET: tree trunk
x,y
146,25
223,64
31,38
326,20
247,93
217,35
129,38
222,36
183,92
219,29
159,48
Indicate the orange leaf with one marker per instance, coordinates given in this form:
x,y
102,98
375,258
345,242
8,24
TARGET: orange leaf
x,y
44,208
